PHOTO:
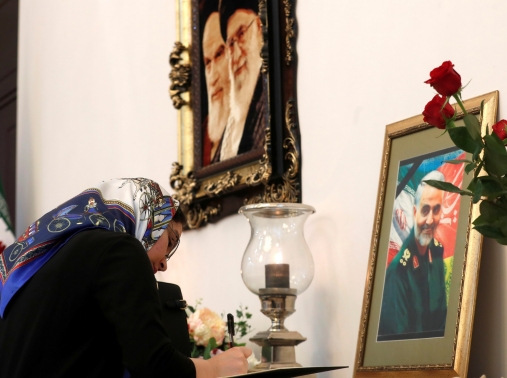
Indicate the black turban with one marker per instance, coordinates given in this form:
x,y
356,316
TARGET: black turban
x,y
206,8
227,9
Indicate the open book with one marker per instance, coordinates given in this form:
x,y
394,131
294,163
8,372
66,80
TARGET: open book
x,y
289,372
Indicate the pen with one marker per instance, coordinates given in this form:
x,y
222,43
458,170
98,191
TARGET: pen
x,y
230,327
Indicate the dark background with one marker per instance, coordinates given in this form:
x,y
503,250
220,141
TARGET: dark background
x,y
8,99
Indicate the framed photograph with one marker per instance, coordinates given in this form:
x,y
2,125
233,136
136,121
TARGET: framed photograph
x,y
233,75
421,285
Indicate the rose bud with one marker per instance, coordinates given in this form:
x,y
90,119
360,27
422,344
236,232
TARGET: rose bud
x,y
434,114
499,129
444,79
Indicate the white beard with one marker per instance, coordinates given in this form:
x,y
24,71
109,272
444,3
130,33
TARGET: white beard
x,y
242,93
217,117
241,97
423,239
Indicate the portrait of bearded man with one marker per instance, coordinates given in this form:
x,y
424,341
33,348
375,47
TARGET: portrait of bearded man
x,y
414,303
216,72
241,29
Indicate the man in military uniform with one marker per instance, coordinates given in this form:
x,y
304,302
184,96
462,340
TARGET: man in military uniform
x,y
414,303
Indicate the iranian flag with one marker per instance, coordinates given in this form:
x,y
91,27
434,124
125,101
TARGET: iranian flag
x,y
6,231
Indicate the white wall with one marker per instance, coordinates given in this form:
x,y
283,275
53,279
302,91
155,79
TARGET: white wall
x,y
93,104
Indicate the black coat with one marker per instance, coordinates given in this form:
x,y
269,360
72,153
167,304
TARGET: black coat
x,y
90,311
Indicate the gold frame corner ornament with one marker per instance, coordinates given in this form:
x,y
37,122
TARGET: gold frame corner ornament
x,y
197,217
457,365
185,185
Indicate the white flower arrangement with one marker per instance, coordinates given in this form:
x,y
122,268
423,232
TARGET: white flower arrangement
x,y
207,331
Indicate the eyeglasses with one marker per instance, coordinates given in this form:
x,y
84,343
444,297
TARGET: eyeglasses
x,y
239,36
175,244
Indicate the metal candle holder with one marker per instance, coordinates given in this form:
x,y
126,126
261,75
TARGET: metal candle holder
x,y
277,342
277,266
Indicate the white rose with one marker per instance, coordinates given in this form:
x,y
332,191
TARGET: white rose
x,y
205,324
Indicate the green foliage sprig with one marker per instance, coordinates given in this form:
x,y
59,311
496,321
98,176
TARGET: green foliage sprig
x,y
241,326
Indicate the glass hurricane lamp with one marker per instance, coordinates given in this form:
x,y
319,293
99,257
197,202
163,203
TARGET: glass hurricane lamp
x,y
277,266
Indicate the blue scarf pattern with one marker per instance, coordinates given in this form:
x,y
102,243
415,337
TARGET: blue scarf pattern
x,y
142,210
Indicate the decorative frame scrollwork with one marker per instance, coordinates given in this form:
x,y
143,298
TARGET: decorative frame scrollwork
x,y
289,30
409,143
271,173
180,76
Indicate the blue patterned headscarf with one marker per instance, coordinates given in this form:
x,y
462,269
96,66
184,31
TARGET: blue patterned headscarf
x,y
136,206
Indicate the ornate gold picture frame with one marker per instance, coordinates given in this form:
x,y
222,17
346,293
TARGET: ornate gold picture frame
x,y
212,185
407,335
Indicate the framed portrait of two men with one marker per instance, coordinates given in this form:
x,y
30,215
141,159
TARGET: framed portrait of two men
x,y
421,285
233,74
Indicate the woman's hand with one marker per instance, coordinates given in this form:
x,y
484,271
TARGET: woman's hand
x,y
231,362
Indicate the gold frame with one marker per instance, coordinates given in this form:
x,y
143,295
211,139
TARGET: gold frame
x,y
458,365
273,177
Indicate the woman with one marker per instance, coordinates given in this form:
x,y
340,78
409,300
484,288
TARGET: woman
x,y
77,293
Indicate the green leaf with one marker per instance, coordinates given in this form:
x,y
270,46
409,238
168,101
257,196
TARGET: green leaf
x,y
195,352
462,139
493,230
477,152
479,221
502,241
478,192
478,169
469,168
447,186
491,187
490,231
207,353
491,212
473,183
495,156
473,126
495,144
502,203
212,344
458,161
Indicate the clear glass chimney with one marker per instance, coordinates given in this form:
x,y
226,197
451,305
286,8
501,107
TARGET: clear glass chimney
x,y
277,255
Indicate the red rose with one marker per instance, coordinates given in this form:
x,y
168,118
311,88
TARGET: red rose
x,y
444,79
499,129
434,114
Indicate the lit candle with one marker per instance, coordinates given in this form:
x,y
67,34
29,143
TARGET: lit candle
x,y
277,275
